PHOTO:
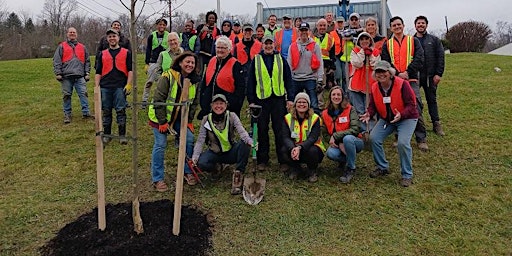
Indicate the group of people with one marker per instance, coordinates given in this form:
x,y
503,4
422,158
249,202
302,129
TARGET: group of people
x,y
326,91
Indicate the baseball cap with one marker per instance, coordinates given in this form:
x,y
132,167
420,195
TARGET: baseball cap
x,y
247,26
287,16
267,37
112,31
304,26
354,14
382,65
340,18
219,97
236,23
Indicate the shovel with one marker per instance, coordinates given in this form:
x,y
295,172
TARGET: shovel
x,y
254,188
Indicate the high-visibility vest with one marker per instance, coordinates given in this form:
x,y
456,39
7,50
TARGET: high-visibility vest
x,y
401,54
338,43
304,129
338,123
108,62
224,79
191,41
166,61
265,84
358,81
273,33
215,33
325,45
347,49
295,55
221,135
69,52
397,101
163,43
241,54
278,40
173,83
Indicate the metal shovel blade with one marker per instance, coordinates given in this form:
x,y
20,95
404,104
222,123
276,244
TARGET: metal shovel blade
x,y
253,190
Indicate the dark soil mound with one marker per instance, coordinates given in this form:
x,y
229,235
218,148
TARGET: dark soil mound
x,y
83,237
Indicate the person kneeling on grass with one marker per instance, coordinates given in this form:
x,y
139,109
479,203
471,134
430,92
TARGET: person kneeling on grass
x,y
341,124
218,131
302,143
393,99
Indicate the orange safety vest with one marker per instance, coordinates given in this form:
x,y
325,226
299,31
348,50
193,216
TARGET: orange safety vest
x,y
214,34
108,62
225,79
279,38
69,52
401,54
327,45
358,82
295,55
338,123
338,43
241,54
397,101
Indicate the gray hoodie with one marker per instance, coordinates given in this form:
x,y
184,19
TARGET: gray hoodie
x,y
72,68
303,71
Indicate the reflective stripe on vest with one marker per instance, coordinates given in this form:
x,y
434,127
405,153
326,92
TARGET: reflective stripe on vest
x,y
171,98
222,136
303,130
241,54
396,97
224,79
337,123
108,62
164,42
295,55
191,41
325,45
265,84
399,53
69,52
166,61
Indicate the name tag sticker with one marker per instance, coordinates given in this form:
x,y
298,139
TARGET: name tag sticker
x,y
294,135
343,119
207,126
386,100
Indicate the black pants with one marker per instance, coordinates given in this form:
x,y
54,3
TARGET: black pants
x,y
272,109
311,157
420,132
431,95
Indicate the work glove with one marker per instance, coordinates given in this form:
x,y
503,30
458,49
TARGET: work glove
x,y
191,127
146,68
127,89
87,78
163,128
368,51
59,78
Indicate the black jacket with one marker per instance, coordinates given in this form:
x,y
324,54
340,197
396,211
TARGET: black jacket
x,y
434,56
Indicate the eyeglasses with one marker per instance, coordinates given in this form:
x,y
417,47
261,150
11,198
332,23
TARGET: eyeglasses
x,y
226,25
221,47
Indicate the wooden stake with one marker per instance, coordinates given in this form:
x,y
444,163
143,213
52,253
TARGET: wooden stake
x,y
100,175
178,196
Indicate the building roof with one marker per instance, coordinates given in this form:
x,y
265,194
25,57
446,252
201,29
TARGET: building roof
x,y
504,50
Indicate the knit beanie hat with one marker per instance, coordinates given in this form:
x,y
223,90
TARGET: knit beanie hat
x,y
302,95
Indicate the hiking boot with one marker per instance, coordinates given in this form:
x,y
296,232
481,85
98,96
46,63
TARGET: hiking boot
x,y
284,168
423,146
261,167
160,186
88,116
438,129
123,140
191,180
341,166
106,140
347,175
67,119
406,182
236,185
379,172
313,177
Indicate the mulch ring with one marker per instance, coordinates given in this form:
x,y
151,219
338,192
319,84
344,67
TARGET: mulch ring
x,y
83,237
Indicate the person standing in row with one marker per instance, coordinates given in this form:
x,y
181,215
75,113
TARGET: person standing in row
x,y
124,42
207,33
71,66
371,26
326,43
156,43
286,36
114,77
432,71
188,38
166,57
272,25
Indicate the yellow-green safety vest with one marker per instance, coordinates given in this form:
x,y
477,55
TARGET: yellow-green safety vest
x,y
191,41
164,43
303,130
347,49
265,84
222,136
325,45
166,61
171,98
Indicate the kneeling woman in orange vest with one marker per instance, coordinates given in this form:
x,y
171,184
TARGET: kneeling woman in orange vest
x,y
223,76
167,119
301,139
341,124
393,99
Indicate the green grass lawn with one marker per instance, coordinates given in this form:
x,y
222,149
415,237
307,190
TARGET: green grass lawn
x,y
460,203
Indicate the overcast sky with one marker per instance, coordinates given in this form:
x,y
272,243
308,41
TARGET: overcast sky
x,y
489,11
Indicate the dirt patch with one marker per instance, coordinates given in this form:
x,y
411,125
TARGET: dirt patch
x,y
82,237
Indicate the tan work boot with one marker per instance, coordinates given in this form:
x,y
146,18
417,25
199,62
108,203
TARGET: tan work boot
x,y
438,129
423,146
236,185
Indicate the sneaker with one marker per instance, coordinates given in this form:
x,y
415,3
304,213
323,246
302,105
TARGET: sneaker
x,y
67,119
262,167
160,186
313,178
191,180
379,172
236,184
423,146
284,168
406,182
88,116
123,140
347,175
438,129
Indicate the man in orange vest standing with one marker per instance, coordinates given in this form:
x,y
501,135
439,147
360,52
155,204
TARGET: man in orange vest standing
x,y
114,76
71,66
286,36
405,53
326,43
247,48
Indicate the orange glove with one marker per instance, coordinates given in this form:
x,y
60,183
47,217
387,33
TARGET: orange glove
x,y
163,128
191,127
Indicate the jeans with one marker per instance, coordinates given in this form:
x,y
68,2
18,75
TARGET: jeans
x,y
273,109
113,98
310,87
421,131
404,129
67,86
431,95
343,78
157,156
353,145
238,154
